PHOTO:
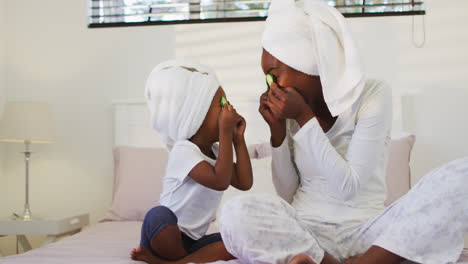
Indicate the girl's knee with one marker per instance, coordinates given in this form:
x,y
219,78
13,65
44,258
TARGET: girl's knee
x,y
160,214
156,220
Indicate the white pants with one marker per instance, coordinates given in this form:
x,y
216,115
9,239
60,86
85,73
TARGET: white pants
x,y
427,225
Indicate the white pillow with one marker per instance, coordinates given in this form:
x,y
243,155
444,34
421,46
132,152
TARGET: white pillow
x,y
398,170
138,174
398,175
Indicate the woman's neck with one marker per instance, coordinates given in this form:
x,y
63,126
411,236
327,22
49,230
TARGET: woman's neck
x,y
323,115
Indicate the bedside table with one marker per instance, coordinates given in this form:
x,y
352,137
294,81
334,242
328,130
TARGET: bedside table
x,y
52,227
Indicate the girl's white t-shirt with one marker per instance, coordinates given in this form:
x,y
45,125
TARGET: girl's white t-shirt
x,y
194,204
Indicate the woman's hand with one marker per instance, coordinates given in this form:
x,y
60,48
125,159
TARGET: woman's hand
x,y
277,125
272,120
239,130
287,103
227,120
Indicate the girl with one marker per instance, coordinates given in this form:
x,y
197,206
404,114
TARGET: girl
x,y
190,112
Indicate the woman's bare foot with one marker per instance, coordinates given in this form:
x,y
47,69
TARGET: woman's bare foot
x,y
302,259
143,254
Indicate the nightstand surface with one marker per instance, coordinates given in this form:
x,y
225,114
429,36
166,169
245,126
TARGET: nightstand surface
x,y
53,227
49,226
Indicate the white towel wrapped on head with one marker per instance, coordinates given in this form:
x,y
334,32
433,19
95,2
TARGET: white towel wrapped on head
x,y
179,93
312,37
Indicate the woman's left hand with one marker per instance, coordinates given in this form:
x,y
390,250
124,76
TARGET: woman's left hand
x,y
287,103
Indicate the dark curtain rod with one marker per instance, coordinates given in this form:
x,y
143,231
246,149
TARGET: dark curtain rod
x,y
240,19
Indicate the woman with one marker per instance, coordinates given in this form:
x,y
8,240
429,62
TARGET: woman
x,y
330,135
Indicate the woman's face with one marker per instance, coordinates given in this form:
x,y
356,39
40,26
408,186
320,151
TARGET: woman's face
x,y
307,85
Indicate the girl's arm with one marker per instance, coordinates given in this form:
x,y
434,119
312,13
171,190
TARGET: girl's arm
x,y
242,178
219,176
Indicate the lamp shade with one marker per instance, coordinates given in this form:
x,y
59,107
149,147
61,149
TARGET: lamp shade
x,y
27,122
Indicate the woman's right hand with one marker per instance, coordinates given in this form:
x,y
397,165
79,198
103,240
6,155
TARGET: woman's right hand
x,y
227,120
277,125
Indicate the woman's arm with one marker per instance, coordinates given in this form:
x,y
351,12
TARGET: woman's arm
x,y
370,141
285,178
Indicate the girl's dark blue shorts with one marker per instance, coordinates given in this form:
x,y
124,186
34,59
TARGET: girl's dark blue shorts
x,y
160,217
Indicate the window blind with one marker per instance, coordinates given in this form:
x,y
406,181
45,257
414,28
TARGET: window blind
x,y
105,13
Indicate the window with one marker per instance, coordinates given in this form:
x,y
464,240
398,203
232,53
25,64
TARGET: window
x,y
105,13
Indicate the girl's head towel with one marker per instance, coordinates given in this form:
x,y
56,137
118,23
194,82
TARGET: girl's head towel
x,y
313,38
179,93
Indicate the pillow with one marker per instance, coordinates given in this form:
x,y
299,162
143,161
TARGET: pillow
x,y
138,174
398,176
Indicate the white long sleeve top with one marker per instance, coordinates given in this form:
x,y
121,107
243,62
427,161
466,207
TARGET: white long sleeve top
x,y
338,176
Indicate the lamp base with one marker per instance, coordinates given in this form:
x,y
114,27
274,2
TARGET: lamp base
x,y
25,218
27,214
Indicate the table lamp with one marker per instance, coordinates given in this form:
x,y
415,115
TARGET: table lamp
x,y
27,123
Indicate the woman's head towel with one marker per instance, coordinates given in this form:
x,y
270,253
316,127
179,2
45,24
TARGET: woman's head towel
x,y
179,93
313,38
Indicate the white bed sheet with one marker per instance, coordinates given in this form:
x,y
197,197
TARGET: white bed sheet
x,y
109,242
104,243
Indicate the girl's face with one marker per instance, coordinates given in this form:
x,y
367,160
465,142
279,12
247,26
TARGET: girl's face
x,y
210,125
307,85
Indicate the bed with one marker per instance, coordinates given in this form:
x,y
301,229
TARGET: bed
x,y
139,160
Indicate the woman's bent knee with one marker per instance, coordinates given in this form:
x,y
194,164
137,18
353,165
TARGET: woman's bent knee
x,y
239,213
236,210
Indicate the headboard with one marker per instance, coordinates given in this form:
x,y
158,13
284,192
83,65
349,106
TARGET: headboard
x,y
132,121
132,128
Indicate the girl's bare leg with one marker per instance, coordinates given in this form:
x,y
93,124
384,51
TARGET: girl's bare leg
x,y
210,253
167,244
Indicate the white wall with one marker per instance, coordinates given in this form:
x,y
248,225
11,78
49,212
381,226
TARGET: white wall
x,y
54,57
439,71
80,71
3,90
3,39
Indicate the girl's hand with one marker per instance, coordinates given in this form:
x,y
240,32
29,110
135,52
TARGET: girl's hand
x,y
239,130
286,103
227,120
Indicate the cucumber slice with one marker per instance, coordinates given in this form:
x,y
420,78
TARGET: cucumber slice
x,y
224,101
270,78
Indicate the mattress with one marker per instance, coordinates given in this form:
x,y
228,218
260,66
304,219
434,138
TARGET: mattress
x,y
104,243
109,242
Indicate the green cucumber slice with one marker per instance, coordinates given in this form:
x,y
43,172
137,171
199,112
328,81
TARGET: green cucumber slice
x,y
224,101
270,78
